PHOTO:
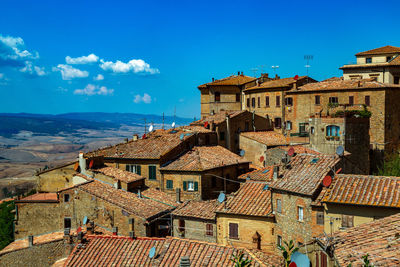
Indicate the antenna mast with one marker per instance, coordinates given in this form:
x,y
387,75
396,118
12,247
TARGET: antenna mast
x,y
254,70
275,68
145,126
307,58
163,120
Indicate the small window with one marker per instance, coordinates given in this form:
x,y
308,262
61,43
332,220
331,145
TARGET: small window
x,y
267,101
368,60
332,130
233,231
279,240
191,186
67,223
66,197
300,214
278,101
258,102
248,102
170,184
288,125
238,97
396,80
347,221
134,168
351,100
221,136
367,100
253,102
289,101
217,96
334,100
209,229
152,173
312,130
278,123
279,206
388,58
181,227
320,218
317,100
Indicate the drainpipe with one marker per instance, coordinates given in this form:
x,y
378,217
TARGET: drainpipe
x,y
283,112
228,133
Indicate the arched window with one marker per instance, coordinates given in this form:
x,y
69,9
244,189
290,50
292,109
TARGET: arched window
x,y
332,130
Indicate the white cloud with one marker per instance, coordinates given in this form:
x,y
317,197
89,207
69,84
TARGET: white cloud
x,y
99,77
91,89
134,65
68,72
82,60
33,70
13,53
146,98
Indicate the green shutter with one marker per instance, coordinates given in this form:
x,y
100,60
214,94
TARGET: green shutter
x,y
127,167
152,172
170,184
184,186
138,169
196,186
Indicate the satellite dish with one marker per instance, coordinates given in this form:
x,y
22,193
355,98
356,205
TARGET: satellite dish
x,y
292,264
152,252
241,152
296,77
221,197
299,259
206,124
327,181
173,125
340,150
85,220
291,151
151,128
262,159
91,164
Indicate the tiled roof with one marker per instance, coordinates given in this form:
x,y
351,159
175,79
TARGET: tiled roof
x,y
157,144
300,149
381,50
231,80
252,199
380,239
218,118
152,202
364,190
343,85
305,173
201,158
118,174
269,138
195,128
123,251
285,82
202,209
40,197
264,174
395,61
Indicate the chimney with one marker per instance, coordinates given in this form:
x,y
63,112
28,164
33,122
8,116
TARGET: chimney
x,y
238,73
115,230
90,228
212,79
185,262
132,235
135,137
277,77
80,237
67,236
276,172
30,240
178,195
241,73
82,163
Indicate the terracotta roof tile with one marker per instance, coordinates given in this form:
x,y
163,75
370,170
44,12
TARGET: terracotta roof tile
x,y
123,251
252,199
264,174
202,209
300,149
269,138
218,118
279,83
231,80
201,158
40,197
118,174
364,190
381,50
305,173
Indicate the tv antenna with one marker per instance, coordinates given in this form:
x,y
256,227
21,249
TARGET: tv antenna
x,y
163,120
275,68
262,67
254,70
307,58
145,126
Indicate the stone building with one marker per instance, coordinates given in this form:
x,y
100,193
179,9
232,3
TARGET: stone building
x,y
202,173
246,218
229,124
224,94
54,179
268,99
352,200
196,220
381,64
295,196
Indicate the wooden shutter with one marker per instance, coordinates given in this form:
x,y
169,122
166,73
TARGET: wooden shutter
x,y
196,186
324,260
233,231
209,229
320,218
138,169
184,185
127,167
344,220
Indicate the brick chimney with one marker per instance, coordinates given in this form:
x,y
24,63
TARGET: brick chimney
x,y
277,77
276,172
135,137
30,240
178,195
115,230
82,163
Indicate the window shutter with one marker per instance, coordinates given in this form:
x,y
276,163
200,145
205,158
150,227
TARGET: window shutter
x,y
127,167
350,221
196,186
138,169
184,185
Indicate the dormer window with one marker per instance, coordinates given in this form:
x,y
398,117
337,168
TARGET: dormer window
x,y
368,60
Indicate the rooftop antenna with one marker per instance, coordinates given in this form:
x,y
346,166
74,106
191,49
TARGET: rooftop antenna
x,y
307,58
173,124
163,120
254,70
262,67
145,126
275,68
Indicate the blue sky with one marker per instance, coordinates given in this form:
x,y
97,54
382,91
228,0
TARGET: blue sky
x,y
151,55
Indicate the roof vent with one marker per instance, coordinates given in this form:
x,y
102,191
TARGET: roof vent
x,y
185,262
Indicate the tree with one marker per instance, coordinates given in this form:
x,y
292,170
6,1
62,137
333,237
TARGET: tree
x,y
390,167
240,261
6,223
287,251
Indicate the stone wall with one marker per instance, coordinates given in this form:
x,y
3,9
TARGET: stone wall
x,y
195,229
253,150
56,179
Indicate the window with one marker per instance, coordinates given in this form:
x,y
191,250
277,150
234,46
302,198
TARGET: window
x,y
248,102
217,96
396,80
368,60
66,197
347,221
289,101
278,101
317,100
233,231
312,130
279,240
134,168
288,125
258,102
67,223
388,58
334,100
300,214
320,218
367,100
190,186
170,184
278,123
181,227
253,102
351,100
152,173
332,130
279,205
221,136
238,97
209,229
267,101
